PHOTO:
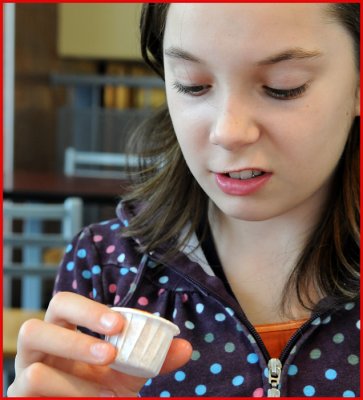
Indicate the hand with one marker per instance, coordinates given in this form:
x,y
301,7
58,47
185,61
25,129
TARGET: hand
x,y
56,360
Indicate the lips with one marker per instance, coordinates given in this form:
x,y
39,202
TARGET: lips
x,y
242,183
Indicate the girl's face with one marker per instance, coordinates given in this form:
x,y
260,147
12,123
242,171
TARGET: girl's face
x,y
262,98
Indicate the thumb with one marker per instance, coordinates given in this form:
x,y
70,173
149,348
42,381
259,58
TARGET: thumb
x,y
179,354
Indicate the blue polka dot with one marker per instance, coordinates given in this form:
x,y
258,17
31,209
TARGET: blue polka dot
x,y
309,390
70,266
189,325
133,270
200,390
199,308
69,248
252,358
124,271
81,253
251,338
266,372
126,222
94,293
348,393
238,380
179,376
292,370
86,274
121,258
96,269
316,321
348,307
152,264
174,313
113,227
330,374
163,279
209,337
148,382
239,327
215,368
220,317
165,393
230,311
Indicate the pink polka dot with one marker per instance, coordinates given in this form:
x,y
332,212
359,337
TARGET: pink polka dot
x,y
97,238
74,284
112,288
110,249
143,301
258,392
90,295
161,291
117,299
184,297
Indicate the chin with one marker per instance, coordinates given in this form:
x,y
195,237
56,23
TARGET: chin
x,y
245,213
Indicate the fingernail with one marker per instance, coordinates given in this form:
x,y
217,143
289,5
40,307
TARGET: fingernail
x,y
100,350
109,320
106,393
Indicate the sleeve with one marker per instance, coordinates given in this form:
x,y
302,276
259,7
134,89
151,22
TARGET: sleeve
x,y
75,273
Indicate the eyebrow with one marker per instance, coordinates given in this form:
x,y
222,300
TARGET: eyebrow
x,y
289,54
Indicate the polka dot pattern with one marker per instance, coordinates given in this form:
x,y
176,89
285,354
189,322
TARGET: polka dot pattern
x,y
104,268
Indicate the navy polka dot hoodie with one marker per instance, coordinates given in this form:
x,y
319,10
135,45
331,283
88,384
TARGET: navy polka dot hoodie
x,y
229,358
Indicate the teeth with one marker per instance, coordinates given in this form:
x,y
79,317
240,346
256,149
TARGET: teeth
x,y
246,174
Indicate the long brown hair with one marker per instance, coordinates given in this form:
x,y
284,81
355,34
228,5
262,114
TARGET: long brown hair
x,y
168,197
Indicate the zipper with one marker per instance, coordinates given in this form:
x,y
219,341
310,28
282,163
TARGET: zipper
x,y
274,375
274,365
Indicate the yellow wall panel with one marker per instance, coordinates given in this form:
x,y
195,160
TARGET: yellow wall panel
x,y
99,30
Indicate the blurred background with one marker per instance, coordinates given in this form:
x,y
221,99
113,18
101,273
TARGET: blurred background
x,y
75,87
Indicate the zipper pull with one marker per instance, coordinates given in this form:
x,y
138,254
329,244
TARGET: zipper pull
x,y
274,375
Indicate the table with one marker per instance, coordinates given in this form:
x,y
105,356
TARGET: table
x,y
55,187
13,318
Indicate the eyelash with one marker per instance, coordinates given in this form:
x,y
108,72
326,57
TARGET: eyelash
x,y
286,94
278,94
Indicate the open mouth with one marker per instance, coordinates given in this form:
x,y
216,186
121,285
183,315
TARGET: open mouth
x,y
244,175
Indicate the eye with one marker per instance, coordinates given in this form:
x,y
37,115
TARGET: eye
x,y
193,90
286,94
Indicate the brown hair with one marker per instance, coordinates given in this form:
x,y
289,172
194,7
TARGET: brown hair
x,y
168,197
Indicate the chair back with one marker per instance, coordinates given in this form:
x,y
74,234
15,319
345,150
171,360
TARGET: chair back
x,y
31,232
98,164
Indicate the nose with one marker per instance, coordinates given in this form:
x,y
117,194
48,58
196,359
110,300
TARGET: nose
x,y
234,126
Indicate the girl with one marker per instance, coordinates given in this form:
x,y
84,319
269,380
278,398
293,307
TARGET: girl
x,y
244,229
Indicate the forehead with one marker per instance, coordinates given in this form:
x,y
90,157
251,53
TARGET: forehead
x,y
202,21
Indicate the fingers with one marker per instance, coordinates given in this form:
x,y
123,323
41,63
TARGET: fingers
x,y
38,338
179,354
41,380
70,310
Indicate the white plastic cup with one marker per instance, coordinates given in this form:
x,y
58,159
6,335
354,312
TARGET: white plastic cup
x,y
143,343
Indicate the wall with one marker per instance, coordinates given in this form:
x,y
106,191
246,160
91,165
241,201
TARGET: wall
x,y
36,100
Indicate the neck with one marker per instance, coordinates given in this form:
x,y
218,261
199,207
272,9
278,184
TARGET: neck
x,y
258,258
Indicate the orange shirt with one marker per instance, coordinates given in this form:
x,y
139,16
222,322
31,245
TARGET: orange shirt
x,y
276,336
